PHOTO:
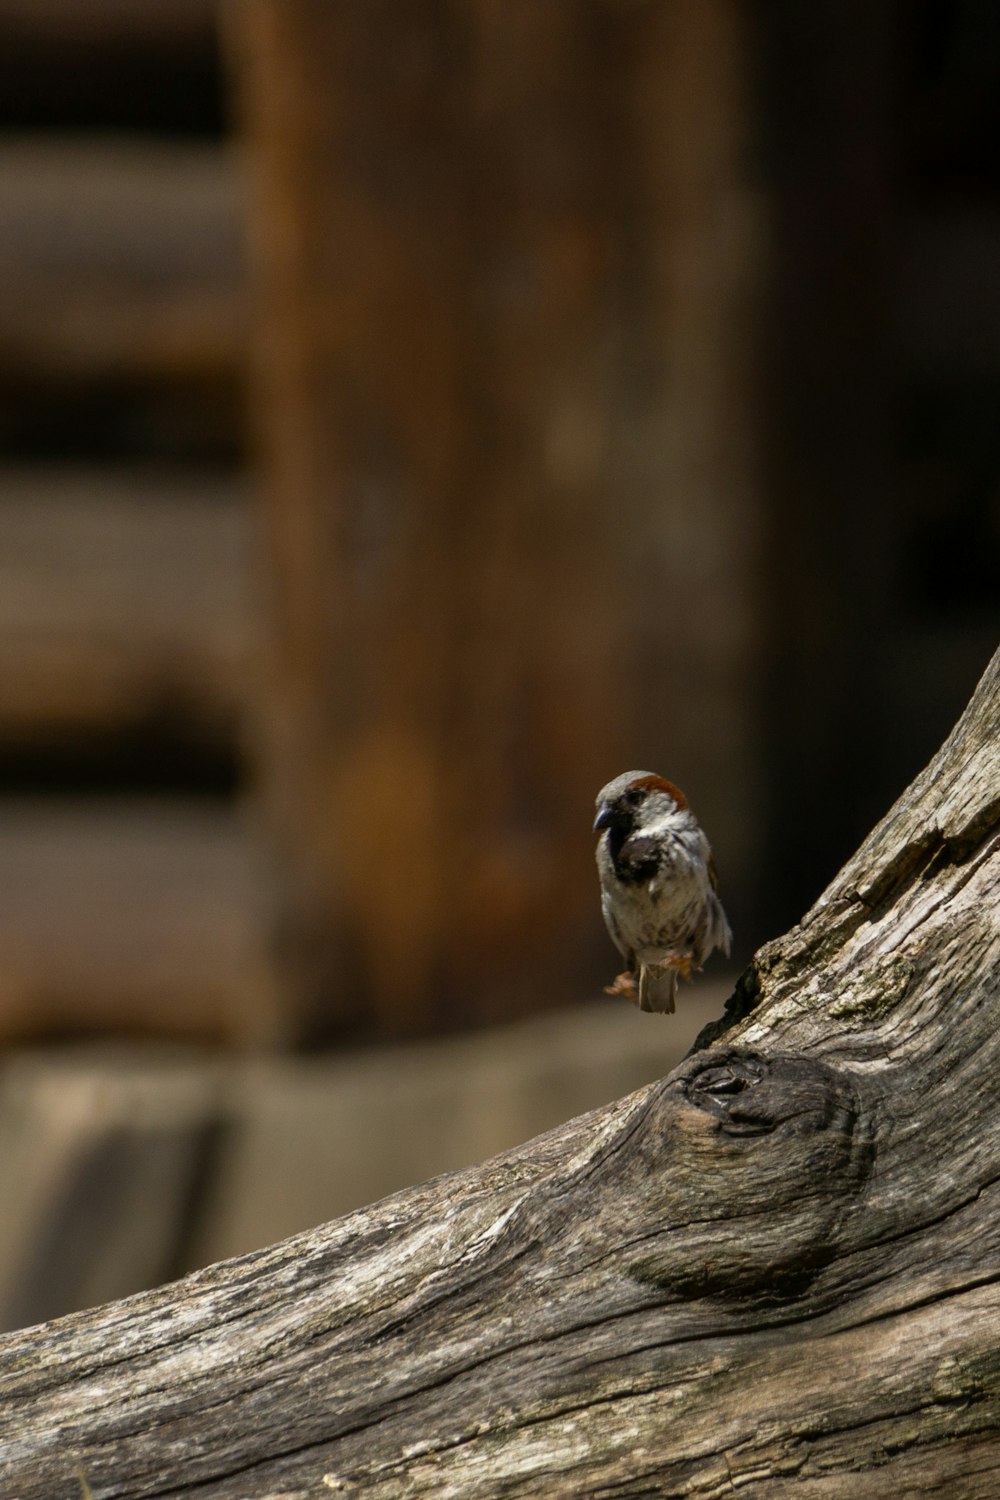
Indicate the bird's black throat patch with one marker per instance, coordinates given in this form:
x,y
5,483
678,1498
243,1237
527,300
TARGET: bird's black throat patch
x,y
634,856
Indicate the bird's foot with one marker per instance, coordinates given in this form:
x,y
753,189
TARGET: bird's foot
x,y
682,964
626,985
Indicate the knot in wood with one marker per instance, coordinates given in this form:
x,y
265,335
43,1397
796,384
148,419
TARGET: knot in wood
x,y
761,1157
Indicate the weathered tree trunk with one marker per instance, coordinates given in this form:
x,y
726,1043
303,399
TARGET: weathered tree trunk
x,y
776,1270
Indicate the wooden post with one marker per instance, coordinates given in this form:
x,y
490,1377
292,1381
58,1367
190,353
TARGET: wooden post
x,y
462,220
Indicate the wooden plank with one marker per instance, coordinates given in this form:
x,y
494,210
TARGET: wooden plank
x,y
120,257
143,917
123,594
103,1153
108,20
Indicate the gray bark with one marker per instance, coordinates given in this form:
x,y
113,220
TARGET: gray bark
x,y
777,1270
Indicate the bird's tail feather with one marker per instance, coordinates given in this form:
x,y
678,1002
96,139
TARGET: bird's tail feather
x,y
657,988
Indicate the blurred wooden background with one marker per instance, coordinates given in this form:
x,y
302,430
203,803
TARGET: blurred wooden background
x,y
505,266
411,414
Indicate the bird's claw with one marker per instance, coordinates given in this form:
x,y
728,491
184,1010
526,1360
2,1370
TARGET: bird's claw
x,y
681,963
626,984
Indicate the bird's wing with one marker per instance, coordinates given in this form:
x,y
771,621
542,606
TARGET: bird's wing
x,y
611,922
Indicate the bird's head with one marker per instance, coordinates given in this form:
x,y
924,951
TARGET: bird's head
x,y
635,799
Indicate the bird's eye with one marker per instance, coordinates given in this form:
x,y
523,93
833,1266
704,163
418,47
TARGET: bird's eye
x,y
633,795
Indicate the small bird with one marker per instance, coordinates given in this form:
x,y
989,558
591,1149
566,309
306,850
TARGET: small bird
x,y
658,887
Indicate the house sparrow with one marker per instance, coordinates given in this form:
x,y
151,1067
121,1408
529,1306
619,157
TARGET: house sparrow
x,y
657,887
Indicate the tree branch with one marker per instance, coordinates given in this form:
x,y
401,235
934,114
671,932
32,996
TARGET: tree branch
x,y
777,1268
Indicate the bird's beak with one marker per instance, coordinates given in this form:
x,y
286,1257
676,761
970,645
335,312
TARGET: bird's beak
x,y
605,816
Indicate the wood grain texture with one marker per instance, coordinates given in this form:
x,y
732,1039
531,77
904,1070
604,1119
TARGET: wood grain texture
x,y
773,1272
